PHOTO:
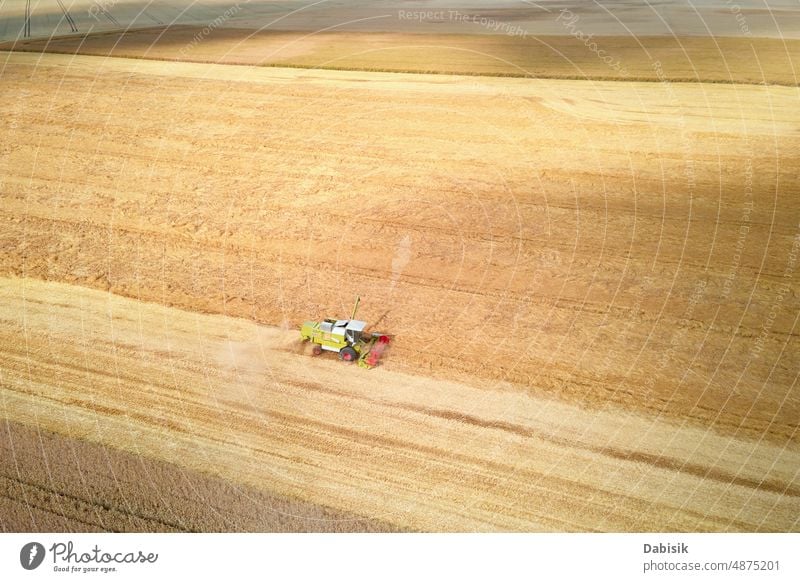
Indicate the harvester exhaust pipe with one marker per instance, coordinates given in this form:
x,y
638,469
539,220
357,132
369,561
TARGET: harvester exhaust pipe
x,y
347,338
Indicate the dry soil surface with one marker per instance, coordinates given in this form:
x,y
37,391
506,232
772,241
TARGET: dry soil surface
x,y
592,287
51,482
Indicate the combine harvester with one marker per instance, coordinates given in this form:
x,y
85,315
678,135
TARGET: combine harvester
x,y
347,338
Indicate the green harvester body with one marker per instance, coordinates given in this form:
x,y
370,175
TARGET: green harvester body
x,y
347,338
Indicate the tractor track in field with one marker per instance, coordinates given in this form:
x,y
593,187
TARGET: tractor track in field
x,y
241,415
300,256
58,502
433,355
661,462
514,476
121,492
71,519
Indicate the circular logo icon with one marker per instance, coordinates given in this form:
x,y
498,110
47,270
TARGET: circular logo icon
x,y
31,555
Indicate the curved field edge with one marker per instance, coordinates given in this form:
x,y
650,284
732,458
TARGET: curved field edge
x,y
644,59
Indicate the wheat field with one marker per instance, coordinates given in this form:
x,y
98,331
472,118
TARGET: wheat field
x,y
591,287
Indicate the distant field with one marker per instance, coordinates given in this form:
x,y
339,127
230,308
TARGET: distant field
x,y
722,60
33,19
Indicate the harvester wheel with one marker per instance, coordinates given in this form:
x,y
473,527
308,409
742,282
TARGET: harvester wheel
x,y
348,355
316,350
